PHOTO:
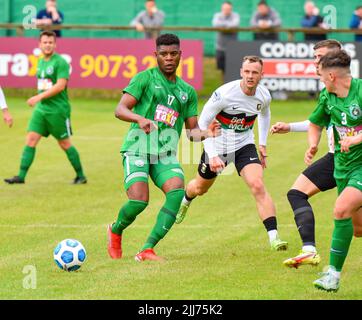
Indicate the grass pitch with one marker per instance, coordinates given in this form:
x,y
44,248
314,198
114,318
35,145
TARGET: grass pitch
x,y
220,251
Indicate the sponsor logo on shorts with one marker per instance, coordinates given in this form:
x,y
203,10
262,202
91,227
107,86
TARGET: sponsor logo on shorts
x,y
203,167
252,159
359,183
139,163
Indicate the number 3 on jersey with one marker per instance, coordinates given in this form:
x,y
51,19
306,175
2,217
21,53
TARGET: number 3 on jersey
x,y
344,118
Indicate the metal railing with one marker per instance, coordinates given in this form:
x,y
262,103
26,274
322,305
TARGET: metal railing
x,y
21,29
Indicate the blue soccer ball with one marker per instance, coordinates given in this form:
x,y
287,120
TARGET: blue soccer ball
x,y
69,255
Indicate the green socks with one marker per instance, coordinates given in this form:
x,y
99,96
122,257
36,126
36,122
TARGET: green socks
x,y
26,161
128,214
74,159
166,218
341,239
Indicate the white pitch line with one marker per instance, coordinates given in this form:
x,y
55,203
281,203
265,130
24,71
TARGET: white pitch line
x,y
79,226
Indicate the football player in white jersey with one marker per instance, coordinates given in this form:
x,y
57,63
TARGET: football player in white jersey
x,y
316,178
236,105
4,108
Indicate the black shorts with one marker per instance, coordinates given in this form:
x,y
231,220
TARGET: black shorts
x,y
220,60
241,158
321,172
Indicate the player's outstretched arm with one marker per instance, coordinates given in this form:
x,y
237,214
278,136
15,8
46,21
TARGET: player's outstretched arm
x,y
280,127
314,136
8,119
3,106
195,133
124,112
284,127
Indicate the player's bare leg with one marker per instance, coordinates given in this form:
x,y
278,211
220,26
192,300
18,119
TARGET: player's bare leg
x,y
253,176
196,187
357,223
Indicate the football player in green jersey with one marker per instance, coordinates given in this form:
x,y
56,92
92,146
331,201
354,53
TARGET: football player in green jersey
x,y
157,103
340,104
51,115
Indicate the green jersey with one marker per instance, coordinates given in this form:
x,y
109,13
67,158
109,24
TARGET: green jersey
x,y
168,104
48,73
345,115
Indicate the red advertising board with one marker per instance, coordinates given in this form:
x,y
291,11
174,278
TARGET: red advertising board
x,y
95,63
289,68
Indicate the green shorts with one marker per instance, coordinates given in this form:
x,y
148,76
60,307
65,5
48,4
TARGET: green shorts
x,y
46,123
160,168
354,179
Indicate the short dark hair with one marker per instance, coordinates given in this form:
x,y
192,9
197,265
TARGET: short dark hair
x,y
339,59
262,2
167,39
330,44
48,33
228,2
253,59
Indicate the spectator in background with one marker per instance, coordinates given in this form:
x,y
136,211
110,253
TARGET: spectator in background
x,y
312,19
4,108
149,18
49,16
224,19
355,22
265,17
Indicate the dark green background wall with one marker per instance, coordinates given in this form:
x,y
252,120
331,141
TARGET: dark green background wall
x,y
178,13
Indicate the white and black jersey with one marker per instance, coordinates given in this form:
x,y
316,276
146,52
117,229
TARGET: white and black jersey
x,y
236,113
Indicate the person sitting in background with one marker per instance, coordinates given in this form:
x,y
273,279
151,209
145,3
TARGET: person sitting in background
x,y
6,114
265,18
355,22
149,18
224,19
312,19
49,16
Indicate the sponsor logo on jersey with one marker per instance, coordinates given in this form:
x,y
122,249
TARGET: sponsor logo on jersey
x,y
355,111
258,106
345,132
238,122
166,115
44,84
